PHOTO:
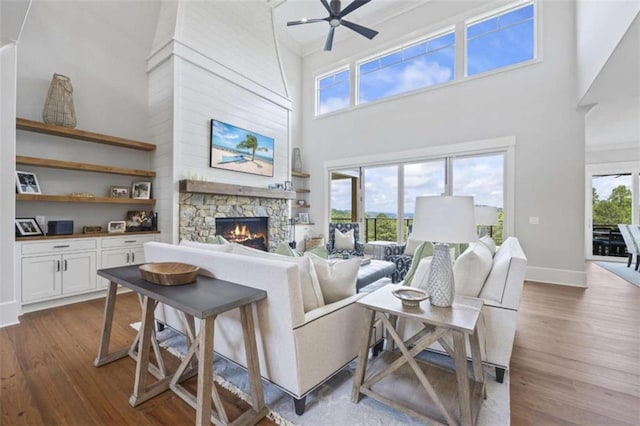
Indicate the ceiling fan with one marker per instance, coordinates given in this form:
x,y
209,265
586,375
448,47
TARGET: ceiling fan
x,y
336,13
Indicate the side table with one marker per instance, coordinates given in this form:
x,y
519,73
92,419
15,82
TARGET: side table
x,y
453,398
203,299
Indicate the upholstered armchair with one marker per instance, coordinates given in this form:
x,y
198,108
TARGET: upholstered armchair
x,y
347,240
395,253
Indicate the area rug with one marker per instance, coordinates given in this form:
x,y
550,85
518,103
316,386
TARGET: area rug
x,y
621,270
331,404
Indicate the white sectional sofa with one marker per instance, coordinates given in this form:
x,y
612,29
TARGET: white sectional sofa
x,y
297,350
498,280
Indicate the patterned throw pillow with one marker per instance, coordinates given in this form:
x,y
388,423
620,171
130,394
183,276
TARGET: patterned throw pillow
x,y
424,250
344,241
337,277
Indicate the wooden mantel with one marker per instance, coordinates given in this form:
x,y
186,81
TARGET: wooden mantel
x,y
202,187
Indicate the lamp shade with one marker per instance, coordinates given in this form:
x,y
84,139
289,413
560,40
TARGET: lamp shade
x,y
486,215
445,219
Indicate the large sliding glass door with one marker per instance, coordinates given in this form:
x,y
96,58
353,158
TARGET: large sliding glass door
x,y
613,200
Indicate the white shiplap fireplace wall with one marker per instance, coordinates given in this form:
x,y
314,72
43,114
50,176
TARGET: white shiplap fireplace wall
x,y
212,60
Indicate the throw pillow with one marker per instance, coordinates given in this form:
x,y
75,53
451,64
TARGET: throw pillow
x,y
490,243
344,241
422,273
309,285
337,277
225,248
283,249
411,246
218,239
320,251
471,269
424,250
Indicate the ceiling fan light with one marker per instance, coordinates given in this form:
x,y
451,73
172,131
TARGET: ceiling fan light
x,y
334,23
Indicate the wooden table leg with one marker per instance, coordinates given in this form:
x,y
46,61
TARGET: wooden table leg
x,y
205,373
361,367
144,346
104,357
460,358
251,351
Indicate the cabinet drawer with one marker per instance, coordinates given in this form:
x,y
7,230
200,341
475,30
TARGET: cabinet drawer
x,y
58,245
125,241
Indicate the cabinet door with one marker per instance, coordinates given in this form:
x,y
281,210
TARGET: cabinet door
x,y
78,272
113,258
137,256
41,277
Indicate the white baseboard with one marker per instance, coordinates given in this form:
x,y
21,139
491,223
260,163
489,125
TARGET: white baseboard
x,y
9,313
556,276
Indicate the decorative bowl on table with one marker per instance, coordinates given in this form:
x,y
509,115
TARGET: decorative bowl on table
x,y
169,273
410,297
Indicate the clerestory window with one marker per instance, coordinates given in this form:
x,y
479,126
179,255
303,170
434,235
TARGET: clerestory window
x,y
333,91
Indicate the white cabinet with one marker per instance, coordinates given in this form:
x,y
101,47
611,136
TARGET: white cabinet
x,y
50,270
54,272
121,251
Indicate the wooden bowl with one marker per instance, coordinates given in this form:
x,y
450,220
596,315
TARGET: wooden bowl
x,y
169,273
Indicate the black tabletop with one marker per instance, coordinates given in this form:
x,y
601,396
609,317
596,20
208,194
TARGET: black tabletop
x,y
203,298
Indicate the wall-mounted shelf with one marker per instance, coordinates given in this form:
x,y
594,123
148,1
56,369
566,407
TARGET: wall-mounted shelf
x,y
72,199
203,187
86,167
300,174
83,135
302,190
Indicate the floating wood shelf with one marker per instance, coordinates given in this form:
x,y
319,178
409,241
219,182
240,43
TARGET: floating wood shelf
x,y
83,135
202,187
94,235
302,190
71,199
300,174
69,165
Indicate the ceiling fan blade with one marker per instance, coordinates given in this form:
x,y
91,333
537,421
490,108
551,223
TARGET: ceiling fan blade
x,y
305,21
367,32
326,6
329,43
352,6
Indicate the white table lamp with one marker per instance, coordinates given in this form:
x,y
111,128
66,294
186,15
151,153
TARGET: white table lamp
x,y
486,216
443,220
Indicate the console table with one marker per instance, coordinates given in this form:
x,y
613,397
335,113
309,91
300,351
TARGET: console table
x,y
203,299
452,397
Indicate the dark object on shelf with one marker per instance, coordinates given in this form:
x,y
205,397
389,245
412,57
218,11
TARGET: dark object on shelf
x,y
139,220
91,229
60,227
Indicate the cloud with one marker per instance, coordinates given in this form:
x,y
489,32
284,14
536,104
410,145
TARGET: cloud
x,y
333,104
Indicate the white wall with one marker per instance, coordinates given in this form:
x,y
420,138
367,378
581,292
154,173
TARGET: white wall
x,y
219,70
9,293
536,104
600,25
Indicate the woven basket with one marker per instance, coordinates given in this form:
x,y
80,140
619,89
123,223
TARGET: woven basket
x,y
58,108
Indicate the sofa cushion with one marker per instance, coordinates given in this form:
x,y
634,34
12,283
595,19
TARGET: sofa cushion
x,y
490,243
225,248
424,250
320,251
283,249
344,240
337,277
411,246
471,269
309,284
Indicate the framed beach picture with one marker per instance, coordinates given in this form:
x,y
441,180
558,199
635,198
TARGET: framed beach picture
x,y
240,150
27,183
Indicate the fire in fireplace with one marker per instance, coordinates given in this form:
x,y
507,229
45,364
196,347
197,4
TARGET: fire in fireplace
x,y
248,231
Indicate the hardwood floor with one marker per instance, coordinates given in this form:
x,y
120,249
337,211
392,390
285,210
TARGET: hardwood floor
x,y
576,360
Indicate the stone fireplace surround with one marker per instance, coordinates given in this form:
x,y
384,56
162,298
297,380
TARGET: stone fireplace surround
x,y
202,202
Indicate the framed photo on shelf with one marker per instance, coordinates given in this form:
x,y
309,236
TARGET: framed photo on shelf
x,y
116,226
139,220
141,190
118,191
27,227
303,218
27,183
